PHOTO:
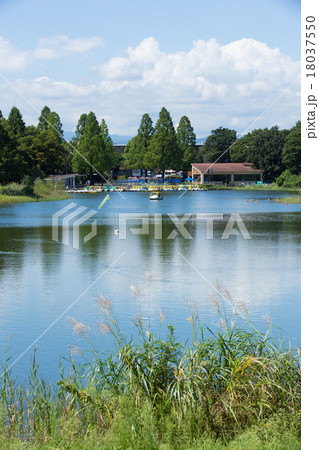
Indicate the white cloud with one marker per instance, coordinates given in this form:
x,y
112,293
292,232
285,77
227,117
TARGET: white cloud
x,y
57,46
213,84
45,88
133,67
11,58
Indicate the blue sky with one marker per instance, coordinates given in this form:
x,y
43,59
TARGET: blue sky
x,y
220,63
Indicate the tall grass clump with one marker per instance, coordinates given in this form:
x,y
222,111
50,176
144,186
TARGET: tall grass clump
x,y
15,189
159,392
32,190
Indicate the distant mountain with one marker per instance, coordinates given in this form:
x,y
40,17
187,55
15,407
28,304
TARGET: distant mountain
x,y
201,140
122,140
68,135
117,139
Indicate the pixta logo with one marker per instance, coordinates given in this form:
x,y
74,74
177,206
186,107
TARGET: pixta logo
x,y
233,226
70,227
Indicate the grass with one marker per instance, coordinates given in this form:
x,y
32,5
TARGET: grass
x,y
4,199
252,187
38,191
231,388
296,199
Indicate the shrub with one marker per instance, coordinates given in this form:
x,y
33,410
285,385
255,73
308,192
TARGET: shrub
x,y
15,189
45,189
289,180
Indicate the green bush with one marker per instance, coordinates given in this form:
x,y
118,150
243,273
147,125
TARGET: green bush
x,y
289,180
16,189
46,189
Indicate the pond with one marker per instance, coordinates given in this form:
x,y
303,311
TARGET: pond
x,y
184,255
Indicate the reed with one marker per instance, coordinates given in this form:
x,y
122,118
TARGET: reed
x,y
295,199
158,392
36,191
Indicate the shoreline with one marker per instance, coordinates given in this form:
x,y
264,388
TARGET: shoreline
x,y
294,199
10,199
197,394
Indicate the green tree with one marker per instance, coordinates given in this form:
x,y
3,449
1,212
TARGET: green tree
x,y
217,145
291,153
108,151
267,152
164,152
16,122
186,139
80,126
44,118
72,146
92,154
14,161
55,125
242,148
138,146
46,150
131,155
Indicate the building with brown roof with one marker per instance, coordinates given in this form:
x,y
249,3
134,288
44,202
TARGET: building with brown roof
x,y
230,173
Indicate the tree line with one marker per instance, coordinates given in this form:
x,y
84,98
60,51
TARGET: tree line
x,y
38,151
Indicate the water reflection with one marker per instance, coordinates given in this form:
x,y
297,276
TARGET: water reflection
x,y
40,278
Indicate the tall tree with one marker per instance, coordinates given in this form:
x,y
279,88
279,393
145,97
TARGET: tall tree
x,y
291,153
43,119
91,151
138,146
132,155
14,161
186,139
47,151
108,151
217,145
16,122
55,125
80,126
164,152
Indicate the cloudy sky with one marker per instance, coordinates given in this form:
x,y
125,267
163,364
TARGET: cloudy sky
x,y
219,63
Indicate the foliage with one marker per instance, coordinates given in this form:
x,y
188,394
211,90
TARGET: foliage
x,y
40,151
242,149
80,126
44,119
164,152
15,189
55,125
291,153
138,146
267,152
186,139
14,160
219,388
94,150
16,122
46,150
293,200
289,180
38,189
217,144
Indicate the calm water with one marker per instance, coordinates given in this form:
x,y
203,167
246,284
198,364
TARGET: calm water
x,y
41,278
